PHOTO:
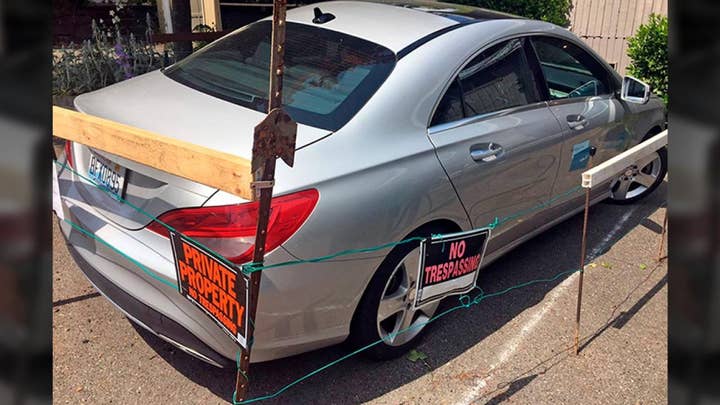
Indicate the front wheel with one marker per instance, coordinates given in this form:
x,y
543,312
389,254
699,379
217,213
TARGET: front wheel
x,y
640,179
386,310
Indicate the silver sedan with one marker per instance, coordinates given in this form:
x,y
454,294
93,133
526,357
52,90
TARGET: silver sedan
x,y
413,120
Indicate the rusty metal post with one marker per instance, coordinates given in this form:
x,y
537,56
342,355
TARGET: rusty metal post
x,y
583,251
274,137
662,237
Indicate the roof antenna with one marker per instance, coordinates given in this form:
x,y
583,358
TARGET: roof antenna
x,y
320,17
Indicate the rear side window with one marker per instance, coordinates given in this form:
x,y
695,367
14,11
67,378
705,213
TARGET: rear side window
x,y
328,76
569,70
498,78
450,108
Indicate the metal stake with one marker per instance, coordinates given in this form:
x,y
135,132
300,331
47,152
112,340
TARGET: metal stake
x,y
583,250
274,137
582,271
662,237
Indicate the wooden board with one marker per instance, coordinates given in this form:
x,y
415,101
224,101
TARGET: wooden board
x,y
221,170
188,36
612,167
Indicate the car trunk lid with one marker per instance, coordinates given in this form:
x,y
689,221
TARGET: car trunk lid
x,y
158,104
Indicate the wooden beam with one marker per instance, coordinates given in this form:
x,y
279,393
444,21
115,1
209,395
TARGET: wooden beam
x,y
221,170
187,36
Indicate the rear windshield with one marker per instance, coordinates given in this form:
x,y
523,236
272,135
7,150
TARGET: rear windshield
x,y
328,77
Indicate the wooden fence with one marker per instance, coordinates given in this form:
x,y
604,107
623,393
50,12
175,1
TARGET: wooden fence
x,y
606,25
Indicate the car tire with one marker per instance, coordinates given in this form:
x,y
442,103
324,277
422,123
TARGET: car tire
x,y
639,180
386,287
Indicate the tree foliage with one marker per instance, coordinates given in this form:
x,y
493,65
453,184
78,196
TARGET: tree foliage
x,y
554,11
648,52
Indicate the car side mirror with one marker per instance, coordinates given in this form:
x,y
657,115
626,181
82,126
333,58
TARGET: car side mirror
x,y
634,91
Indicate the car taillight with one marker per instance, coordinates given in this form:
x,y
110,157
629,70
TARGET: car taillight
x,y
230,229
68,153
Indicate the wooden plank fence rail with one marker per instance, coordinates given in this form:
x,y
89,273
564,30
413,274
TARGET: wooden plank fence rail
x,y
612,167
221,170
188,36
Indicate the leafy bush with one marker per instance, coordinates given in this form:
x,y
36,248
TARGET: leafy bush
x,y
554,11
201,28
107,58
648,52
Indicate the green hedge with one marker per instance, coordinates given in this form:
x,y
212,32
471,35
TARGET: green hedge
x,y
648,52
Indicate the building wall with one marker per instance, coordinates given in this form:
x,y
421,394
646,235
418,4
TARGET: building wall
x,y
606,25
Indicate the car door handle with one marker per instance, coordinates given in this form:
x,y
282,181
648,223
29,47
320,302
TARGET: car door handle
x,y
576,121
485,152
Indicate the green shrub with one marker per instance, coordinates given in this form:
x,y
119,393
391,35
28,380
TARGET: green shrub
x,y
107,58
648,52
554,11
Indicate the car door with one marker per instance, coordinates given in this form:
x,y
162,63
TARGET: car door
x,y
582,97
497,140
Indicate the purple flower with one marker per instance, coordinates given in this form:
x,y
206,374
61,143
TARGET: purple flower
x,y
123,60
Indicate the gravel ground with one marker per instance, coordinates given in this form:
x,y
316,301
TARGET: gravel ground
x,y
515,348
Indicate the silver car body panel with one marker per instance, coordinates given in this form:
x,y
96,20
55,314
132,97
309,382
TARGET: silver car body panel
x,y
381,176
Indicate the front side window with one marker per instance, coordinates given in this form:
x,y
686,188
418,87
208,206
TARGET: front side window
x,y
328,75
569,71
496,79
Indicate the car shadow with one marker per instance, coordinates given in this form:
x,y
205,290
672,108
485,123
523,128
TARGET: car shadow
x,y
358,379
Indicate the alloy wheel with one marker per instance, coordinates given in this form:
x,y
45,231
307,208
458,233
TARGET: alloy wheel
x,y
637,179
395,311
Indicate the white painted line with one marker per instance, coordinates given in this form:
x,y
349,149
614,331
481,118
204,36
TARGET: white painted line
x,y
512,346
605,243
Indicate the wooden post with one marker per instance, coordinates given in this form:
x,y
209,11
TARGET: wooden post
x,y
165,16
274,137
181,22
211,14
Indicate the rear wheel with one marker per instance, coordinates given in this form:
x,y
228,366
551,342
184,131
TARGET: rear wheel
x,y
386,309
640,179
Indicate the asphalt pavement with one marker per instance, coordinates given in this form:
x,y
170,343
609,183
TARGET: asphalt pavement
x,y
514,348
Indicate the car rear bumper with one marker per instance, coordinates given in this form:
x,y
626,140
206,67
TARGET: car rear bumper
x,y
149,319
287,323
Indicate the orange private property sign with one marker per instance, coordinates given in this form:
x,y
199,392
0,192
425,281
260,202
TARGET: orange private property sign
x,y
218,289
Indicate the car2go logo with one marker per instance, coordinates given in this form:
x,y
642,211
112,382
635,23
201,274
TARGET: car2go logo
x,y
449,264
218,289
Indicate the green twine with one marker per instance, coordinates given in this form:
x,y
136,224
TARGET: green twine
x,y
465,302
143,212
252,267
121,253
249,268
